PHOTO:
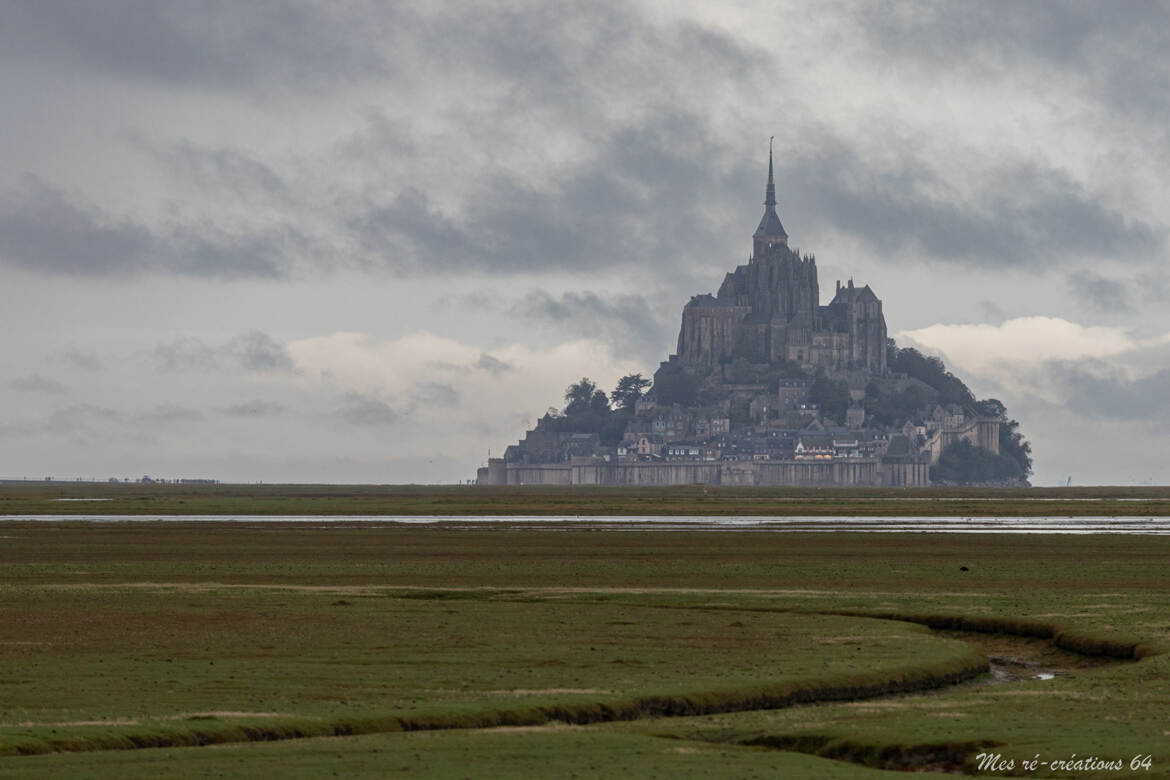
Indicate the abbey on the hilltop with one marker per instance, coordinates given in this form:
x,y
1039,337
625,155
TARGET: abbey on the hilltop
x,y
769,310
767,387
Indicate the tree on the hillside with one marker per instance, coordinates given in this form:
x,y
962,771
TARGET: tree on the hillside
x,y
579,395
933,372
1013,445
599,402
894,410
629,389
831,395
1011,442
963,463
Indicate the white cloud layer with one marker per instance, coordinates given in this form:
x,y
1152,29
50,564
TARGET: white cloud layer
x,y
1093,399
456,393
1017,353
981,347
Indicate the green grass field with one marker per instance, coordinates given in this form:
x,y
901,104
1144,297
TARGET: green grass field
x,y
81,498
245,649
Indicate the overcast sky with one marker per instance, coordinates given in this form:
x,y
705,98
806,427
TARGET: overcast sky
x,y
368,242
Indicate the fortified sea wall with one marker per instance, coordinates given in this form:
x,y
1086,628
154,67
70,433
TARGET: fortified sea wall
x,y
873,472
980,432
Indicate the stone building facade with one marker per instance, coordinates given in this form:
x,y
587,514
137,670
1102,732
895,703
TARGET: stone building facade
x,y
769,310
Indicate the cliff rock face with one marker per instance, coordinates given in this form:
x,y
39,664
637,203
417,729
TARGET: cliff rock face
x,y
769,311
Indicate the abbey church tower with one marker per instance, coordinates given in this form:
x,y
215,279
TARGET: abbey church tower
x,y
770,232
769,311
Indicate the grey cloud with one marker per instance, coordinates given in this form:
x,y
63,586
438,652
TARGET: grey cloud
x,y
257,351
186,353
563,55
254,409
86,361
43,230
493,365
434,394
82,418
364,411
639,199
1108,394
253,351
626,321
221,45
379,135
539,49
1107,295
169,413
474,301
1021,215
641,202
640,195
991,311
1155,286
35,383
1105,47
205,250
222,170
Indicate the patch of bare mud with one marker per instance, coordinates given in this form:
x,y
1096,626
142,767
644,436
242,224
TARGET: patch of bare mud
x,y
229,714
522,691
530,729
540,691
54,724
139,721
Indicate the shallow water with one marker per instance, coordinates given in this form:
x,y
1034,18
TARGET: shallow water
x,y
1153,526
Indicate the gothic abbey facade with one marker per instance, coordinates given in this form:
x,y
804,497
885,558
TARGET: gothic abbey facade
x,y
769,311
735,404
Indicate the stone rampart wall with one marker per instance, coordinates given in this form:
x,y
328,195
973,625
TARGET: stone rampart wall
x,y
981,432
587,471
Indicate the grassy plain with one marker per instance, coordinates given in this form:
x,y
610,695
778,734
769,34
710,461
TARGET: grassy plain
x,y
118,635
78,498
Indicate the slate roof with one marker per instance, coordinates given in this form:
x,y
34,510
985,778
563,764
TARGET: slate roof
x,y
866,295
770,225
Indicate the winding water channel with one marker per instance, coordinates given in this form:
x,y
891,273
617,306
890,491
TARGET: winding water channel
x,y
1152,526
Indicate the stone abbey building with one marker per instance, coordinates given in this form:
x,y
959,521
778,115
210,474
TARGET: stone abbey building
x,y
769,310
735,405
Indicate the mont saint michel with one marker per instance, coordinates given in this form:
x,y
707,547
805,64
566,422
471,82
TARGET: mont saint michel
x,y
770,387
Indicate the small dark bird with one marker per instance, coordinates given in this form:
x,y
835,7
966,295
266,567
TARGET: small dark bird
x,y
963,568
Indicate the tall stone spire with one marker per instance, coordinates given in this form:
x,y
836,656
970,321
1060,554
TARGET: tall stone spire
x,y
770,232
770,197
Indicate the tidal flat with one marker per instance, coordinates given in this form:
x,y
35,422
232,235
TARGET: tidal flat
x,y
228,649
106,498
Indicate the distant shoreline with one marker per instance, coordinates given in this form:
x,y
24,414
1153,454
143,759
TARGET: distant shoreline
x,y
89,498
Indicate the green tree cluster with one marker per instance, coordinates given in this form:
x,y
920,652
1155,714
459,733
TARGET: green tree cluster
x,y
629,390
931,371
588,409
893,410
963,463
831,395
